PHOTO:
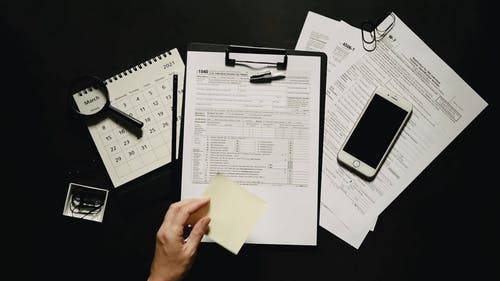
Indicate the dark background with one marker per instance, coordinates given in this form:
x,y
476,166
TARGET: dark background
x,y
443,226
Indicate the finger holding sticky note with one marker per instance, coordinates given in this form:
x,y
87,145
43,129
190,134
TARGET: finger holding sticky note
x,y
234,212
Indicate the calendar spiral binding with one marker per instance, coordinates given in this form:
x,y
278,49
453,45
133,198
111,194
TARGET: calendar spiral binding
x,y
130,70
137,67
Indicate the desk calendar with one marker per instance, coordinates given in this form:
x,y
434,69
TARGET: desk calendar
x,y
144,92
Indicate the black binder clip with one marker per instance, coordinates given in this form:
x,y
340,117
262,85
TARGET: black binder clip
x,y
371,32
254,50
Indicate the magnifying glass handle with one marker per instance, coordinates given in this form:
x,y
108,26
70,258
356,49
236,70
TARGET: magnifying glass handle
x,y
131,120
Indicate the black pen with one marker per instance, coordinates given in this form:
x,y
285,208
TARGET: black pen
x,y
266,77
174,118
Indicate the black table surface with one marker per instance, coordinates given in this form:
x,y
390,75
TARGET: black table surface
x,y
444,225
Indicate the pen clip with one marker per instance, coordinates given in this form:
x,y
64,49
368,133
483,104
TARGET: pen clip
x,y
264,74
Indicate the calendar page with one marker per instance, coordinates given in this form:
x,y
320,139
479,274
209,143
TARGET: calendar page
x,y
144,92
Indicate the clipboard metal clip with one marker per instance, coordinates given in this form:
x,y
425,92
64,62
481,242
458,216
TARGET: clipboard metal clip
x,y
254,50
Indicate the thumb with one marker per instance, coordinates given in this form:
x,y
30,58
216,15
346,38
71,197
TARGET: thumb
x,y
199,229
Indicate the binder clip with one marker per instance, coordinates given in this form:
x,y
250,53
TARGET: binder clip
x,y
371,32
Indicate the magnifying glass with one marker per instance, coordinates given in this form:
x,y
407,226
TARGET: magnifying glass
x,y
89,96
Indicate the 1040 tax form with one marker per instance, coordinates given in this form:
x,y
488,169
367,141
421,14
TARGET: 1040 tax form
x,y
263,136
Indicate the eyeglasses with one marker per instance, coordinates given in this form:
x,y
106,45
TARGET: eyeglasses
x,y
86,203
371,32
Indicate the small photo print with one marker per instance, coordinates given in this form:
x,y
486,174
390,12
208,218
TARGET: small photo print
x,y
85,202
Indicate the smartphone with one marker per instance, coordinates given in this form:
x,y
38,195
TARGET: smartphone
x,y
374,133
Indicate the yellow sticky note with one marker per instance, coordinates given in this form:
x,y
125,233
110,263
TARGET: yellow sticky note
x,y
233,211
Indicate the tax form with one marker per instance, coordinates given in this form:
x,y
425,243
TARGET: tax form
x,y
443,105
327,35
265,137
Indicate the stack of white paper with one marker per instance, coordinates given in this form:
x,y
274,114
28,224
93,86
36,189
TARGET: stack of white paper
x,y
443,105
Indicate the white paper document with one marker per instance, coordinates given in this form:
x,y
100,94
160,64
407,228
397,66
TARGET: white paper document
x,y
264,136
443,105
322,34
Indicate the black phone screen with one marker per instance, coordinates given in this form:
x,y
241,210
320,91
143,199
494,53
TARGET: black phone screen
x,y
375,131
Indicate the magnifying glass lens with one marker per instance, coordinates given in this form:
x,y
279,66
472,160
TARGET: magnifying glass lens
x,y
89,96
90,101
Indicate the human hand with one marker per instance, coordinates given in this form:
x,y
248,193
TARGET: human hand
x,y
174,255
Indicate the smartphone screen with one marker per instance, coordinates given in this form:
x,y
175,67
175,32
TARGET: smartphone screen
x,y
375,131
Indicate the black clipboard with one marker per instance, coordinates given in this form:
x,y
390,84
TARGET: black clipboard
x,y
228,50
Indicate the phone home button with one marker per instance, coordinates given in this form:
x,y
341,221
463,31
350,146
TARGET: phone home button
x,y
355,163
